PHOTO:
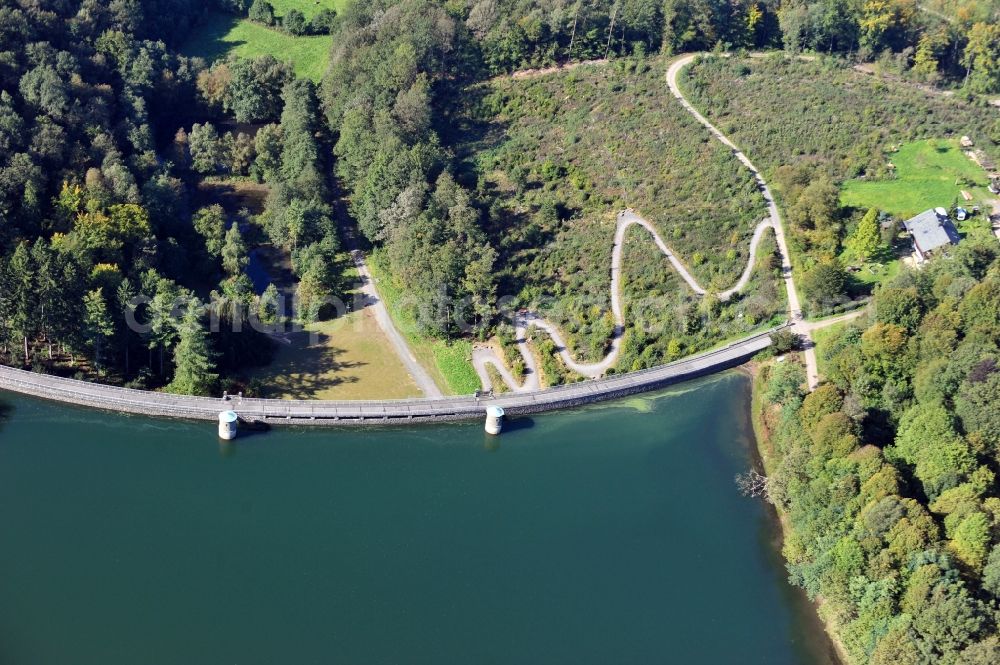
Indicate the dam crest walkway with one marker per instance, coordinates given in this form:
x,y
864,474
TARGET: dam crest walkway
x,y
386,412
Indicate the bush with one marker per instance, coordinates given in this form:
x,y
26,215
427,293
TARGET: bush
x,y
294,22
261,11
784,341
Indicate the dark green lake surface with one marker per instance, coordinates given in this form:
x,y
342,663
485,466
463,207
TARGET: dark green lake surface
x,y
612,534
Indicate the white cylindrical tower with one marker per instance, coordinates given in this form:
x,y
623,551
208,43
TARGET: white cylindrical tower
x,y
494,419
227,425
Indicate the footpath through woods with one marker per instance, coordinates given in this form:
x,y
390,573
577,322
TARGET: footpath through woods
x,y
523,322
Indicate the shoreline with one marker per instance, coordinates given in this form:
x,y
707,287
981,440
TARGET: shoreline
x,y
762,456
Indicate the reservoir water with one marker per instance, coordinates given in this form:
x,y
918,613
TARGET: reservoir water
x,y
610,534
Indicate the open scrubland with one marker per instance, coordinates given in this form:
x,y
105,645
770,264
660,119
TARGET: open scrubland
x,y
785,111
556,156
668,321
837,143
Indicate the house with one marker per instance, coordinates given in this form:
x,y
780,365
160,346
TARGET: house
x,y
932,233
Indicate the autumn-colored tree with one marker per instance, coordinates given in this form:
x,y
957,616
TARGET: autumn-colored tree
x,y
982,58
866,240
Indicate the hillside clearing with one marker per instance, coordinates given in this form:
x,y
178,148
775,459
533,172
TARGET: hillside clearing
x,y
929,174
221,35
558,154
345,358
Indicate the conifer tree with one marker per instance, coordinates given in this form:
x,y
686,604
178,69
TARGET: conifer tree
x,y
234,251
268,305
47,290
97,323
194,359
125,295
20,285
866,239
163,327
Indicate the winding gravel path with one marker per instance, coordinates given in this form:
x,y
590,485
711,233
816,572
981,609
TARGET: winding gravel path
x,y
483,356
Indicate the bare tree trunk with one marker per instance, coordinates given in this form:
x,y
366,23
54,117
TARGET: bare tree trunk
x,y
572,38
25,349
611,29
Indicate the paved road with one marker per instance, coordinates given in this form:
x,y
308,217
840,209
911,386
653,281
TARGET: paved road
x,y
372,300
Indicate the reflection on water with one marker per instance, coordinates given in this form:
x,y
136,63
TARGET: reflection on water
x,y
597,535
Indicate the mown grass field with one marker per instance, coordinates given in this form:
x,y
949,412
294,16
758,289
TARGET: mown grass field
x,y
449,363
345,358
221,35
929,174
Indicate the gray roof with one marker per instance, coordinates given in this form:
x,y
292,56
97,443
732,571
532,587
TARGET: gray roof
x,y
930,231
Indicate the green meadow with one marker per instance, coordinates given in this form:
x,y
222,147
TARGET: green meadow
x,y
221,35
929,174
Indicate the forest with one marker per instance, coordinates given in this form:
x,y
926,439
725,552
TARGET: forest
x,y
112,268
887,473
112,144
121,262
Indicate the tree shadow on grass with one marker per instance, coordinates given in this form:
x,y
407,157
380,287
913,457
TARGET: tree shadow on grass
x,y
303,370
208,39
